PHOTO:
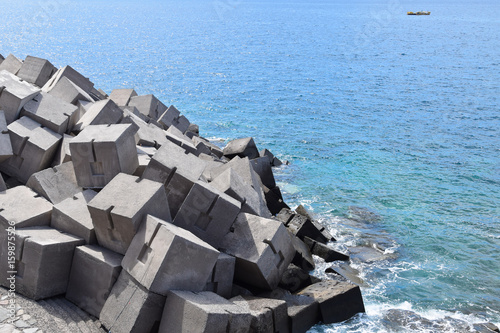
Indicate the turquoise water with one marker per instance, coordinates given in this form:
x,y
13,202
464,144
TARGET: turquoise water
x,y
396,114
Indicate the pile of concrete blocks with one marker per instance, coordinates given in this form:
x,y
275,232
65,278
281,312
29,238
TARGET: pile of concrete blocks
x,y
119,204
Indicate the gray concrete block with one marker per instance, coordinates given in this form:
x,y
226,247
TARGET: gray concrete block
x,y
177,170
147,134
231,183
100,152
303,257
120,207
51,112
324,251
274,200
244,147
1,58
122,96
100,113
5,144
22,207
301,210
36,71
14,94
164,257
263,168
296,278
68,91
33,149
272,159
338,300
63,153
3,186
55,184
268,315
94,271
302,227
174,135
262,248
214,149
11,64
148,105
207,213
68,72
43,261
303,311
72,216
221,279
83,107
130,308
202,312
172,117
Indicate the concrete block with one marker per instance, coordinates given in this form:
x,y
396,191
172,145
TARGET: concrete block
x,y
338,300
72,216
14,94
172,117
215,150
148,105
301,226
3,186
83,107
147,134
122,96
303,311
1,58
121,206
296,278
263,168
262,248
301,210
101,93
100,113
221,279
274,200
303,257
43,261
144,160
130,308
63,153
177,170
164,257
11,64
51,112
272,159
268,315
68,72
55,184
231,183
5,144
36,71
324,251
33,149
207,213
22,207
94,271
69,92
244,147
100,152
202,312
174,135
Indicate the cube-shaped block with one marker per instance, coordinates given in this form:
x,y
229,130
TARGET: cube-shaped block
x,y
148,105
262,248
301,226
69,92
338,300
221,279
21,207
263,168
43,261
55,184
164,257
207,213
172,117
14,94
93,273
202,312
5,144
68,72
268,315
72,216
33,147
36,71
178,170
51,112
324,251
147,134
122,96
244,147
11,64
120,208
130,308
100,152
100,113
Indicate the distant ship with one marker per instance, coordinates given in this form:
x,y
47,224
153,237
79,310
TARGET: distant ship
x,y
418,13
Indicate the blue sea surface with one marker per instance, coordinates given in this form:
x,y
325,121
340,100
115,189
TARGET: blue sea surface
x,y
391,123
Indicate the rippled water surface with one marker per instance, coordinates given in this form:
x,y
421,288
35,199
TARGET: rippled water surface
x,y
391,122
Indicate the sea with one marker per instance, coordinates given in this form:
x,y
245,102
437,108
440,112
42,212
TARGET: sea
x,y
390,123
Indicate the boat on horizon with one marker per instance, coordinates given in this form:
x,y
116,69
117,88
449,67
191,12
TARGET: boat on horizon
x,y
418,13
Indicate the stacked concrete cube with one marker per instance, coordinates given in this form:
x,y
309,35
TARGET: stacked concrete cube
x,y
100,152
14,94
148,105
268,315
69,73
172,117
5,144
11,64
244,147
121,206
20,207
262,248
33,148
71,93
36,71
122,96
43,261
221,279
101,112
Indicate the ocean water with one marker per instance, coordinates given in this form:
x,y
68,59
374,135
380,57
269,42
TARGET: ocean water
x,y
391,122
